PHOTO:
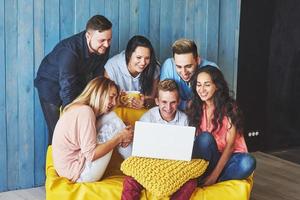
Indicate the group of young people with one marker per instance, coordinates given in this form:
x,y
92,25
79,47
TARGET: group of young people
x,y
186,90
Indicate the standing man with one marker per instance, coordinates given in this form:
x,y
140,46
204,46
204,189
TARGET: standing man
x,y
182,66
67,69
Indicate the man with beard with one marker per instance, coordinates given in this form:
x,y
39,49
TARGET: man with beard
x,y
67,69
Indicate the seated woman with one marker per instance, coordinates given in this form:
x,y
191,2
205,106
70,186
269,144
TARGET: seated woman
x,y
76,154
136,69
218,120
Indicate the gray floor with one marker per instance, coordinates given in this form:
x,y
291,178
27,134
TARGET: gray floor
x,y
274,179
28,194
291,154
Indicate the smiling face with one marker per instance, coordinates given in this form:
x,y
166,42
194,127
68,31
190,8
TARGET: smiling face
x,y
98,42
167,102
111,100
139,60
205,87
186,65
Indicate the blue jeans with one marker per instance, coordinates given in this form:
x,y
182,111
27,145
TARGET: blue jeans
x,y
239,165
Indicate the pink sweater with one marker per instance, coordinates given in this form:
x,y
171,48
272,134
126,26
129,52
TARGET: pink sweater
x,y
74,141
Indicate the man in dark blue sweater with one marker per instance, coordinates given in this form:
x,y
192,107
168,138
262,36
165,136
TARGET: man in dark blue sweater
x,y
67,69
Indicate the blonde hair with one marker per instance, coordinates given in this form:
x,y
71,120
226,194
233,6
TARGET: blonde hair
x,y
168,85
183,46
95,95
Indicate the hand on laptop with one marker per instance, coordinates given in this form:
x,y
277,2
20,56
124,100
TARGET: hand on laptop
x,y
126,136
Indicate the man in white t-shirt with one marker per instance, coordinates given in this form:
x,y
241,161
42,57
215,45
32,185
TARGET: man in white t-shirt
x,y
165,112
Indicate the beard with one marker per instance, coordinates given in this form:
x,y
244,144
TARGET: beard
x,y
94,50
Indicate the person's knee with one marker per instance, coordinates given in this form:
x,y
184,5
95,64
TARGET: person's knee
x,y
247,164
204,140
130,183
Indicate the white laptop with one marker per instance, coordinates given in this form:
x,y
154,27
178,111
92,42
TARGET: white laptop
x,y
163,141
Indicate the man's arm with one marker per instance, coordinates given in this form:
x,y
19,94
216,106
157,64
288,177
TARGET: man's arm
x,y
166,70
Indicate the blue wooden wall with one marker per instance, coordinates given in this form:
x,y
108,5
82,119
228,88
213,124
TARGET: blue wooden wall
x,y
29,29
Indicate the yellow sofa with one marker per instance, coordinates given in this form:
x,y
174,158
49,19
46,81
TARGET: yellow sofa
x,y
110,187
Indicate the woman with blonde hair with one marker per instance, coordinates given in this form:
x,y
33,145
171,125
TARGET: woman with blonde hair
x,y
76,154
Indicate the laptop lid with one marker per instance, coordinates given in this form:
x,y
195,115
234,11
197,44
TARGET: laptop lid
x,y
163,141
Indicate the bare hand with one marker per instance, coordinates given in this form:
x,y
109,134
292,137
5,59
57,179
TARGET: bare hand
x,y
124,144
138,103
210,180
126,135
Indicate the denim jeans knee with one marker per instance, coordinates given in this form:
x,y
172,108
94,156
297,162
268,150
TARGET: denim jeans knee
x,y
204,140
247,164
204,146
239,166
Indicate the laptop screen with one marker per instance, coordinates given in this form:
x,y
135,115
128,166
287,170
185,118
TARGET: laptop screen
x,y
163,141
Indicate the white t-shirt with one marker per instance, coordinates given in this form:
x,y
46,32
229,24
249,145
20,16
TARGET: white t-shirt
x,y
117,70
154,116
107,127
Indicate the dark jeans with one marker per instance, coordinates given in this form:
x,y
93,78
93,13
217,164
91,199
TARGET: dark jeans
x,y
239,165
51,114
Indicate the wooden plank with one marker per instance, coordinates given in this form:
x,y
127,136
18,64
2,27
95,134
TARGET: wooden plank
x,y
200,35
40,131
154,28
51,24
25,94
97,7
228,40
3,144
189,28
134,17
212,33
112,13
66,18
81,15
275,178
165,29
124,21
11,46
178,20
144,12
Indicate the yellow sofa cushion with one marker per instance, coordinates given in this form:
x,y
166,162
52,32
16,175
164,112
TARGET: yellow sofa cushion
x,y
110,187
162,177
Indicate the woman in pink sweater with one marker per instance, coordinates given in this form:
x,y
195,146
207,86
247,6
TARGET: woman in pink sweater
x,y
76,154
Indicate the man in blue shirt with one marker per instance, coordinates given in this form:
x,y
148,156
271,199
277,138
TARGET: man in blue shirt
x,y
66,70
182,66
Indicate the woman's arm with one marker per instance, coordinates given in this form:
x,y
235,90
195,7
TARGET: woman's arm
x,y
124,136
230,138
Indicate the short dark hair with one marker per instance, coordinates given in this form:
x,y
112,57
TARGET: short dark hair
x,y
99,23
